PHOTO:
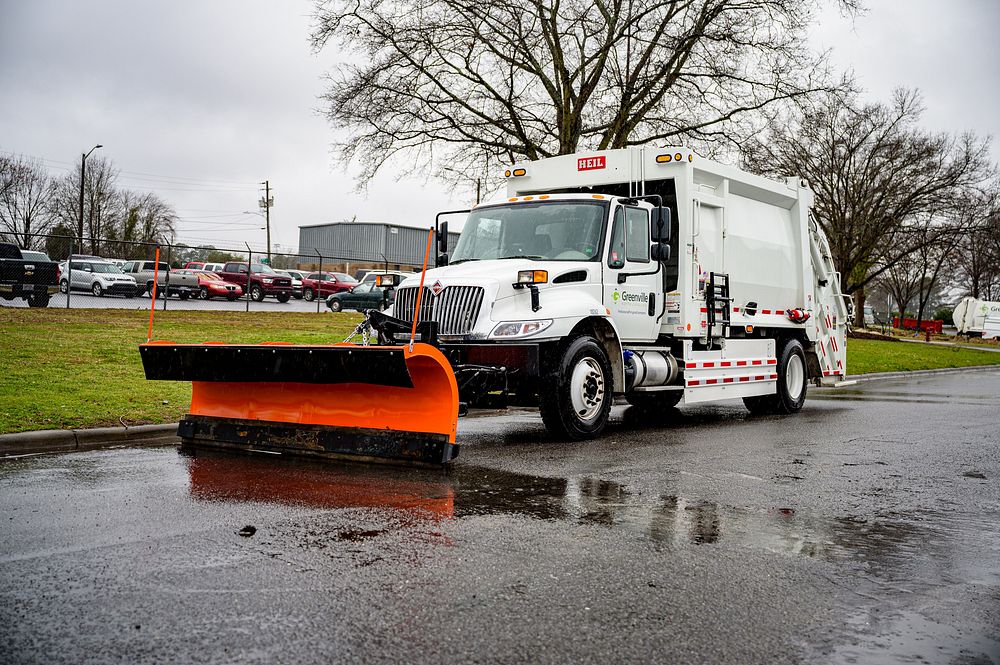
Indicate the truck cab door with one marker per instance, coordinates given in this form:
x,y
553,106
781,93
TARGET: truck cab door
x,y
632,289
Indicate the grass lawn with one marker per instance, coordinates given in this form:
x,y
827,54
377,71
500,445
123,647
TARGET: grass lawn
x,y
865,356
81,368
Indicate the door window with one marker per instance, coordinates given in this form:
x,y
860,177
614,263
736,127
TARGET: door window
x,y
616,249
637,235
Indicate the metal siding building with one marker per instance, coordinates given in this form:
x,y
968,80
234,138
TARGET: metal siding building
x,y
372,242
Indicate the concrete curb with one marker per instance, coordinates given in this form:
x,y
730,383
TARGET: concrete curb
x,y
69,440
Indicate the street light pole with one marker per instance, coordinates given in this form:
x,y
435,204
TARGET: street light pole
x,y
266,204
83,179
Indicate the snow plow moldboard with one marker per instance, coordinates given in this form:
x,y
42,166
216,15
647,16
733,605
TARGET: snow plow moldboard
x,y
369,403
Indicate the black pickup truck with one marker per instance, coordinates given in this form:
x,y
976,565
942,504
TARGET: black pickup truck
x,y
28,278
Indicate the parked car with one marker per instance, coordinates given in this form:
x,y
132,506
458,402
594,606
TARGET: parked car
x,y
182,284
372,275
98,277
259,279
194,265
361,298
322,284
210,285
214,267
26,274
296,281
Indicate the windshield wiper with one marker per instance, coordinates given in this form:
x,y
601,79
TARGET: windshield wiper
x,y
455,263
521,256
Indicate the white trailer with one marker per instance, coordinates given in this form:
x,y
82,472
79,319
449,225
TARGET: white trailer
x,y
978,318
648,273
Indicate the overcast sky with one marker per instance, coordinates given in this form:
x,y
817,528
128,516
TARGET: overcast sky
x,y
202,100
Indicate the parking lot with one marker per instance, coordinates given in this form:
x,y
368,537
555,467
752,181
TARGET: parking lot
x,y
87,301
862,530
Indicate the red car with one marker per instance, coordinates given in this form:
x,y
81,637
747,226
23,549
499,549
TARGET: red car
x,y
326,283
195,265
213,286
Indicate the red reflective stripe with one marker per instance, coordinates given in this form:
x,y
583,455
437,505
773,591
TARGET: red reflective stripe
x,y
736,309
727,380
704,310
693,383
834,340
771,361
765,311
774,376
711,381
726,363
757,362
708,364
741,363
821,348
744,378
690,365
759,378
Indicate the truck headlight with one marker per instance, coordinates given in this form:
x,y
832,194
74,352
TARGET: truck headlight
x,y
511,329
267,280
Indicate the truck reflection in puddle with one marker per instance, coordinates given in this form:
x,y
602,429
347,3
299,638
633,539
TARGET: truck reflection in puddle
x,y
437,496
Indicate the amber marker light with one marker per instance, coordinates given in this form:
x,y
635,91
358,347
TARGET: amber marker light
x,y
519,172
663,159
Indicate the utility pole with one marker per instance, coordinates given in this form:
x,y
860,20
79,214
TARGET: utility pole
x,y
266,204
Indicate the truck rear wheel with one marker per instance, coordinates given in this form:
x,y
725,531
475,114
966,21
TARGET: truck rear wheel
x,y
792,383
576,393
38,300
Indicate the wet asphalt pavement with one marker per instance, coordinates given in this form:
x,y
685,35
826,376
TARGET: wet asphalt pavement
x,y
865,529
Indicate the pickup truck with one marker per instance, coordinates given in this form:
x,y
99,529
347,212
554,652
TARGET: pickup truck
x,y
182,285
323,284
258,280
28,278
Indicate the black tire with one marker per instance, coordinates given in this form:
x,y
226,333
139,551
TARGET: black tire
x,y
256,293
657,400
309,295
203,290
577,391
792,383
284,297
184,295
335,305
231,297
97,289
63,286
38,300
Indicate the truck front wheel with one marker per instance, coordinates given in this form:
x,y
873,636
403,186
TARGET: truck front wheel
x,y
257,293
576,393
792,381
283,297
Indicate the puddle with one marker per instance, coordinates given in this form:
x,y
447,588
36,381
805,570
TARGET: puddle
x,y
883,546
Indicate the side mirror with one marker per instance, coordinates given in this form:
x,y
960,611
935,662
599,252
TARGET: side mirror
x,y
442,238
442,259
387,281
660,251
659,225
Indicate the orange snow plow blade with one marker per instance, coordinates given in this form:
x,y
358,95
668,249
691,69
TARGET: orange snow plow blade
x,y
373,403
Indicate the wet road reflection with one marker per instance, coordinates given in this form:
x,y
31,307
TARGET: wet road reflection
x,y
667,518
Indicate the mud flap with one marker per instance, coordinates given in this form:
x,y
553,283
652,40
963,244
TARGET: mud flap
x,y
370,403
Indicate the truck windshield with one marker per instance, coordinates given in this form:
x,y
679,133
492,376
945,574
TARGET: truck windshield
x,y
261,268
554,231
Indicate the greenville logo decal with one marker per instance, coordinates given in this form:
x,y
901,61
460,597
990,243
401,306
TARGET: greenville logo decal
x,y
625,296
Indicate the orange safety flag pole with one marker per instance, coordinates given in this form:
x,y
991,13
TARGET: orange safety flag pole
x,y
152,295
420,291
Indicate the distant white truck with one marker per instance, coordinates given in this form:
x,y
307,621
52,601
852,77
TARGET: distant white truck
x,y
648,273
977,318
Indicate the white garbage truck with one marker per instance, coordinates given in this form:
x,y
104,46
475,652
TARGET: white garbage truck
x,y
649,274
977,318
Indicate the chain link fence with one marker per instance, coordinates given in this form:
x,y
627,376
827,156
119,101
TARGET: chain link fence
x,y
106,273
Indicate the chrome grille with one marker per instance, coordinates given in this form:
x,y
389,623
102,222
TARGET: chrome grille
x,y
455,309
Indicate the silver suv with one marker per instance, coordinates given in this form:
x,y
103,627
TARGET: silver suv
x,y
98,277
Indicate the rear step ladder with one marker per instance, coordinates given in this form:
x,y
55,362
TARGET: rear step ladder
x,y
716,296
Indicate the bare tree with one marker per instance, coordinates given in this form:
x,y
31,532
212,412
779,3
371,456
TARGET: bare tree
x,y
977,255
25,190
100,195
875,174
455,86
